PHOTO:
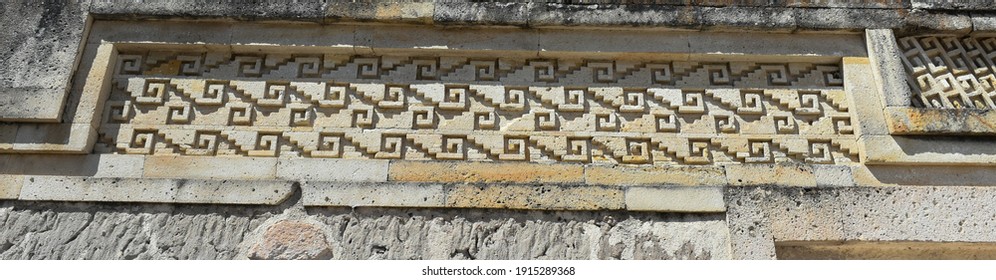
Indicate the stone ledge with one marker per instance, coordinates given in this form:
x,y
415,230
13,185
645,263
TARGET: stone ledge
x,y
655,175
373,195
323,169
929,121
364,194
544,197
433,172
531,196
675,199
71,188
783,17
31,104
10,186
482,172
927,150
93,165
38,55
770,174
242,168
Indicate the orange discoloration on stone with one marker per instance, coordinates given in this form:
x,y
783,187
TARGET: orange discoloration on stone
x,y
415,171
169,68
670,175
856,60
292,240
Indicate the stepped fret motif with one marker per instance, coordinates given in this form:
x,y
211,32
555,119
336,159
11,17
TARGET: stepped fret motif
x,y
477,109
951,71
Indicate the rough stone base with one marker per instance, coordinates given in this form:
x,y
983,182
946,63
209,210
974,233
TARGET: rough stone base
x,y
32,230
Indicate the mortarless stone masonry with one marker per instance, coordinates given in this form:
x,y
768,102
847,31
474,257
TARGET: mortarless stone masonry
x,y
459,130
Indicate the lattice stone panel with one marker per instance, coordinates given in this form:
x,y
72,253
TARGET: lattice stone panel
x,y
951,71
497,108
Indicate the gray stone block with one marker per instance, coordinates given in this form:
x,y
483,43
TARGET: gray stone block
x,y
748,18
984,22
38,51
81,230
386,11
31,104
72,188
367,194
621,15
922,21
675,199
953,5
483,13
887,67
847,19
299,10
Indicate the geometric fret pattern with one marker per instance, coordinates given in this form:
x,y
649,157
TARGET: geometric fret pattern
x,y
479,108
951,71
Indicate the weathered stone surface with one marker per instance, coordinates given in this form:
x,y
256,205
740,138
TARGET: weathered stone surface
x,y
10,186
984,22
913,175
861,86
887,67
542,197
38,54
143,231
744,18
844,19
210,167
931,121
73,188
659,176
299,10
292,240
415,171
758,215
951,5
939,214
482,13
925,150
554,14
833,176
504,234
675,199
367,194
39,230
94,165
750,230
771,174
317,169
919,21
415,11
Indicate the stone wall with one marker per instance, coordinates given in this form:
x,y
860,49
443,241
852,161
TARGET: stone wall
x,y
496,130
290,231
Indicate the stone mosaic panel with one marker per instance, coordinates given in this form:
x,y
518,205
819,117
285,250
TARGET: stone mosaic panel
x,y
951,71
480,108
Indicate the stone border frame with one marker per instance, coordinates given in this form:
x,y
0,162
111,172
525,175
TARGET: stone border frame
x,y
107,177
894,132
76,134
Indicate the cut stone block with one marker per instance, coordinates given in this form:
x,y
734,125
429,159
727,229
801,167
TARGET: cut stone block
x,y
66,188
675,199
539,197
378,195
